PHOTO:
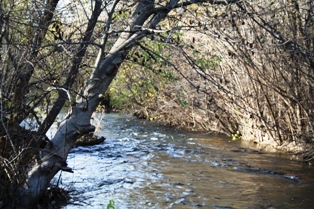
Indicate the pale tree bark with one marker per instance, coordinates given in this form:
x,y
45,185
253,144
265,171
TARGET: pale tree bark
x,y
77,123
53,158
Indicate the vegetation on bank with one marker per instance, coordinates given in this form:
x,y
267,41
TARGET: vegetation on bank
x,y
249,72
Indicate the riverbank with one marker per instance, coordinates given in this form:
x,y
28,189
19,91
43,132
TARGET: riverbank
x,y
300,151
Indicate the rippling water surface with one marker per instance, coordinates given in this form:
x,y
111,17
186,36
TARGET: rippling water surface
x,y
143,165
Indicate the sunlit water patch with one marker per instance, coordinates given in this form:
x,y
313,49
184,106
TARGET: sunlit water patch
x,y
143,165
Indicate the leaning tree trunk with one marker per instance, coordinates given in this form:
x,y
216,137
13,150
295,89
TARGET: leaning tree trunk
x,y
53,158
77,123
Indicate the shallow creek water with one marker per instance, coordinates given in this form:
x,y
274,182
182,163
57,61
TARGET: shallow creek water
x,y
143,165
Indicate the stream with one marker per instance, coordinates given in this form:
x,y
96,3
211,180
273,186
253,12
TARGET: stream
x,y
145,165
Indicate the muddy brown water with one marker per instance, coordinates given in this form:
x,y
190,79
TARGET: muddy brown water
x,y
144,165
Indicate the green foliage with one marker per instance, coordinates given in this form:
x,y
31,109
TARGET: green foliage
x,y
119,97
143,77
167,74
236,136
111,204
181,99
128,88
213,61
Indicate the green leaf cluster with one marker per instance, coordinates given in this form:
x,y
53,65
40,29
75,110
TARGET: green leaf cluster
x,y
144,76
111,204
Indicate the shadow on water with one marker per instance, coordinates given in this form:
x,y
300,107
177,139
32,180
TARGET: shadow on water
x,y
143,165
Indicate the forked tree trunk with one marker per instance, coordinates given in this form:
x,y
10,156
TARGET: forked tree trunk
x,y
77,124
53,158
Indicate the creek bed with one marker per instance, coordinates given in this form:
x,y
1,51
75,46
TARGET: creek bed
x,y
145,165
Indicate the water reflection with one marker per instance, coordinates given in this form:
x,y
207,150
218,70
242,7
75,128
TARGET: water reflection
x,y
142,165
